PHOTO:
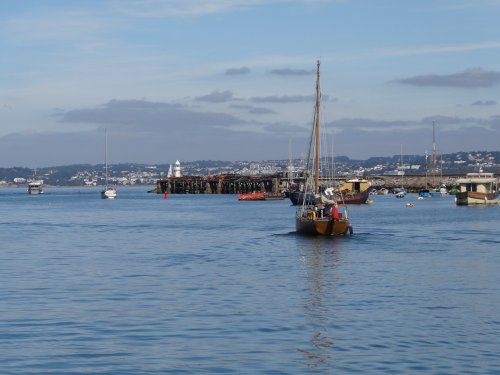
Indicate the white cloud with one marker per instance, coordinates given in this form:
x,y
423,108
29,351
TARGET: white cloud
x,y
163,8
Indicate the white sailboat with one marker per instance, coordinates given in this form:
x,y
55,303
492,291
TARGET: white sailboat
x,y
108,192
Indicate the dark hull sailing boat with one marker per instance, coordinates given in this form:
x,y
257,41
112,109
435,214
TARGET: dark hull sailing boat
x,y
320,217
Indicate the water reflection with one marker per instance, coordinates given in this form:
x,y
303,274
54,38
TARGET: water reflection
x,y
322,259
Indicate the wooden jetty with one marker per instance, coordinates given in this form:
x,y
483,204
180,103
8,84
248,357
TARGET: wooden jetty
x,y
278,183
221,184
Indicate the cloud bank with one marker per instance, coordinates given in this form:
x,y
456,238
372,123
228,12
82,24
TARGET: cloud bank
x,y
469,78
158,132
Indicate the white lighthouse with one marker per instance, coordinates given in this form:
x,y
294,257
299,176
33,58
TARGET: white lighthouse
x,y
177,169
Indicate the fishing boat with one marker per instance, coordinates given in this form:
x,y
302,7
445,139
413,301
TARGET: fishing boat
x,y
477,189
354,191
108,192
321,217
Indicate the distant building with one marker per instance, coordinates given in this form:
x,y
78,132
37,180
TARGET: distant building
x,y
177,169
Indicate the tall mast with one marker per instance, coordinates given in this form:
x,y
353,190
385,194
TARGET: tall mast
x,y
433,161
401,170
316,127
106,155
290,178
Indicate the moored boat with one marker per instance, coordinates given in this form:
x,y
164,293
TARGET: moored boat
x,y
354,191
477,189
425,193
400,194
443,190
109,192
299,197
251,197
260,196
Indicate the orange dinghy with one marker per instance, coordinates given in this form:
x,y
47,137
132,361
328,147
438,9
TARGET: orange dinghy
x,y
252,197
260,197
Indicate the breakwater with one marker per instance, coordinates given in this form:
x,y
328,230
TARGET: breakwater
x,y
280,183
221,184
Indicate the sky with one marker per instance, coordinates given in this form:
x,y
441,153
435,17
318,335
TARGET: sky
x,y
235,79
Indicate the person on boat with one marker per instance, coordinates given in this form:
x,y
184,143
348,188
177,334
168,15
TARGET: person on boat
x,y
332,210
335,211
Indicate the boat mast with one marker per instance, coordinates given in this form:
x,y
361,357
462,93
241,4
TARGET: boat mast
x,y
401,170
433,160
106,156
290,177
316,127
426,171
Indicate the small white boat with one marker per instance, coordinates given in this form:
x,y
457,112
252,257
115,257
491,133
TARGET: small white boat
x,y
401,194
443,190
108,192
35,187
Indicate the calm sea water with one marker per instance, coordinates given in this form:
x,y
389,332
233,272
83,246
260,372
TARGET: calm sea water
x,y
207,284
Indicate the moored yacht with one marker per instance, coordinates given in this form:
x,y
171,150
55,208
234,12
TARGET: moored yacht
x,y
35,187
109,192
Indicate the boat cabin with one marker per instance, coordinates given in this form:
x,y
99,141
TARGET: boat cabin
x,y
355,185
478,182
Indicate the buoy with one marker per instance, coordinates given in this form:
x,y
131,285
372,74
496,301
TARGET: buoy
x,y
165,196
409,205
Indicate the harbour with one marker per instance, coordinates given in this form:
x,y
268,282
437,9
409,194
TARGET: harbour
x,y
206,284
249,187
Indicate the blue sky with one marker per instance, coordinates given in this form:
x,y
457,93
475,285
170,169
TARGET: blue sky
x,y
234,79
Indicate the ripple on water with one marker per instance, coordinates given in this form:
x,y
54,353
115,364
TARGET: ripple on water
x,y
205,285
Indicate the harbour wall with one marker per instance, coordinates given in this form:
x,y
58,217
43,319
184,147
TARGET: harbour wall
x,y
280,183
221,184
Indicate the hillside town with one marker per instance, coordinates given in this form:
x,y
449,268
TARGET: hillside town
x,y
148,174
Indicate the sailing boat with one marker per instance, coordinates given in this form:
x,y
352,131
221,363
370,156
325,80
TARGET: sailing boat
x,y
425,193
401,192
320,217
108,192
